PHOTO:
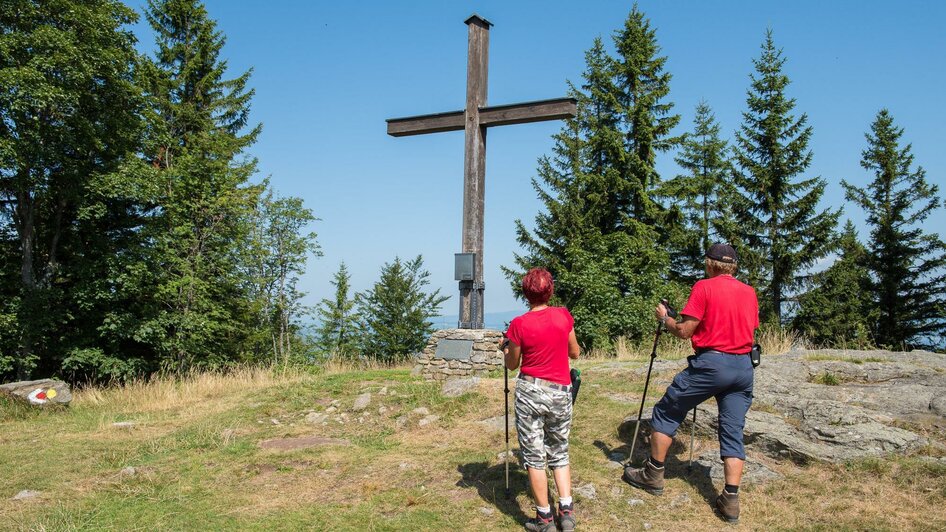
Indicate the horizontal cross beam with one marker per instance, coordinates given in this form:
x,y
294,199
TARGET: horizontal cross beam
x,y
497,115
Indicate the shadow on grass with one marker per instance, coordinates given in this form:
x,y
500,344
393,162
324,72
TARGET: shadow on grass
x,y
490,483
676,463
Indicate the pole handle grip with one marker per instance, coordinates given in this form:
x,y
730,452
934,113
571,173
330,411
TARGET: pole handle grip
x,y
670,310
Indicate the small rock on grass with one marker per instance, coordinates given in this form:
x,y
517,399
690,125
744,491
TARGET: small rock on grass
x,y
362,402
487,512
587,491
128,471
400,422
316,419
427,420
635,502
680,500
26,495
127,425
458,387
421,411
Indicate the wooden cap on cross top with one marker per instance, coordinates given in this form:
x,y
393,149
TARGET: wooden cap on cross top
x,y
476,19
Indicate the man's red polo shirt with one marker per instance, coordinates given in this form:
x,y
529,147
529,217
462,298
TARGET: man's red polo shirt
x,y
728,311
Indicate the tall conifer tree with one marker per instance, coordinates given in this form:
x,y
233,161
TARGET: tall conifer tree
x,y
701,192
597,235
647,116
778,228
907,263
197,136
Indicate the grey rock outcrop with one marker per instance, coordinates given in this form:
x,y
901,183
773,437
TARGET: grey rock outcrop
x,y
835,405
39,393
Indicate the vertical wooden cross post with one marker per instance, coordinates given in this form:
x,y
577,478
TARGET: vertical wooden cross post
x,y
474,120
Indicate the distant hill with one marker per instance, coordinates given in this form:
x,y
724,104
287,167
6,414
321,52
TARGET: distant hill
x,y
492,320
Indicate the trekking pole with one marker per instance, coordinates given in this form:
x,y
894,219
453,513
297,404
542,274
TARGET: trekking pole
x,y
692,430
640,412
653,354
506,456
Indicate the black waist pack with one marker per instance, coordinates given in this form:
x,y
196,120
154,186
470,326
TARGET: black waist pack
x,y
756,355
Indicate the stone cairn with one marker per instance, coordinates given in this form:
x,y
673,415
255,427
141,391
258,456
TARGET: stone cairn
x,y
456,353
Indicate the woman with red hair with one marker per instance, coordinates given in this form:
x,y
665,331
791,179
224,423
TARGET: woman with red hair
x,y
540,342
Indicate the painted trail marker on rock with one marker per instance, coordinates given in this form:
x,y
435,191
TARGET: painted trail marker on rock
x,y
473,121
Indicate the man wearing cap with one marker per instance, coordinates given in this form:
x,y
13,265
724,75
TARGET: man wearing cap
x,y
720,319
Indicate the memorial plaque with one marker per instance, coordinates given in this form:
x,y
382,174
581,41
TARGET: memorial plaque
x,y
454,349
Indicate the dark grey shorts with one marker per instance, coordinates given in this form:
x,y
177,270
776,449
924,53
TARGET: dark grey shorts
x,y
728,378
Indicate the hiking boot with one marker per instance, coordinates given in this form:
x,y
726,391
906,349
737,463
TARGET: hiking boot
x,y
649,478
541,522
566,517
728,506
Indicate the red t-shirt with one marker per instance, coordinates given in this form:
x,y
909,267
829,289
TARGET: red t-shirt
x,y
728,311
543,337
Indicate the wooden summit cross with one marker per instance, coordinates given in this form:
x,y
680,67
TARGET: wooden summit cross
x,y
474,120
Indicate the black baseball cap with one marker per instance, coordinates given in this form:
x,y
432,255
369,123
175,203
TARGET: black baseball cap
x,y
722,253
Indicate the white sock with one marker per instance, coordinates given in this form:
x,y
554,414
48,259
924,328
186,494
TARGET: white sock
x,y
565,501
544,509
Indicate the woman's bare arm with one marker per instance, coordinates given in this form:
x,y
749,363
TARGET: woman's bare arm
x,y
573,350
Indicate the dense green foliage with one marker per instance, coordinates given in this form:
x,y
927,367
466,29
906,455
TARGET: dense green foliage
x,y
600,235
133,239
394,314
777,228
907,264
839,310
68,123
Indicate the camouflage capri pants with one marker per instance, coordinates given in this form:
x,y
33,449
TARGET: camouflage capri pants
x,y
543,422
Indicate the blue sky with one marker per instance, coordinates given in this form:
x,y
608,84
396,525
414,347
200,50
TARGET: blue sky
x,y
328,74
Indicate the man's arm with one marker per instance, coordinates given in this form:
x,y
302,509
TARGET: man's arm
x,y
573,349
682,328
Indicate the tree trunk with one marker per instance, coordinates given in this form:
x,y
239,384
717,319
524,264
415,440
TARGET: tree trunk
x,y
25,226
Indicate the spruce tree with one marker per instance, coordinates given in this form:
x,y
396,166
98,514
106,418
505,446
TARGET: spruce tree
x,y
647,118
908,265
778,229
336,336
700,193
198,131
394,314
608,264
838,310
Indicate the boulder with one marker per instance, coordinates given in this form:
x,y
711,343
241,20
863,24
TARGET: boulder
x,y
39,393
